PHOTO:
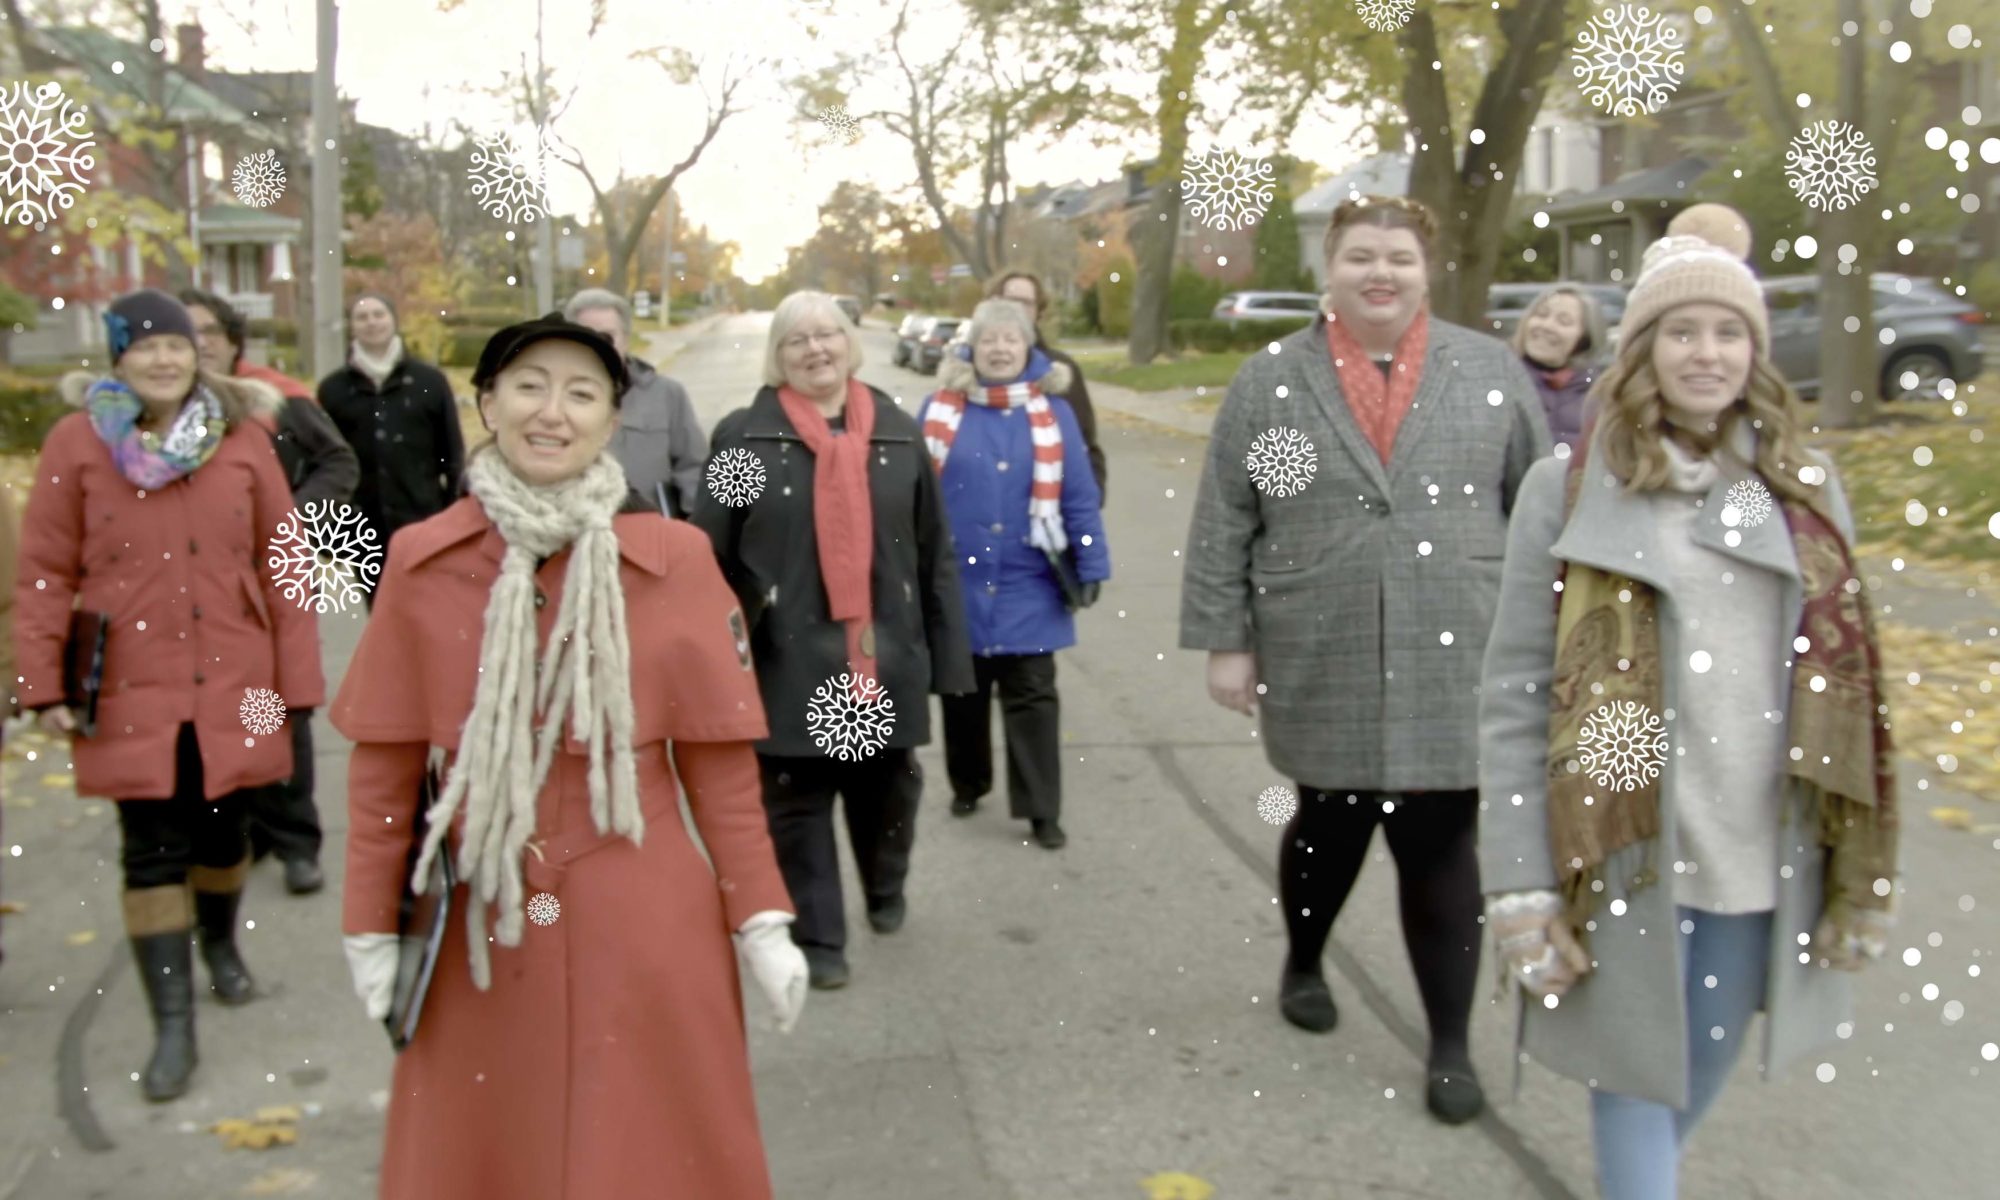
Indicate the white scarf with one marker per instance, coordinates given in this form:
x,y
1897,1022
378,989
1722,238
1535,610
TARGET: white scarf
x,y
376,369
585,673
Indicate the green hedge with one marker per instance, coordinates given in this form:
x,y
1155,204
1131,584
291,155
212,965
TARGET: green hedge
x,y
28,407
1214,337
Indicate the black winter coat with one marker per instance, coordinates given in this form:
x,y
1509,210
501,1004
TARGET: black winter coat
x,y
318,462
406,436
769,553
1078,396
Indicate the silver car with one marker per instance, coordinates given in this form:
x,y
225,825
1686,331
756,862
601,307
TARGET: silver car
x,y
1265,306
1936,335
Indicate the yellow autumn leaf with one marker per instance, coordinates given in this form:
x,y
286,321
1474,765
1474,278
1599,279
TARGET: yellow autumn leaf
x,y
9,908
58,779
279,1112
82,937
1176,1185
285,1181
1952,818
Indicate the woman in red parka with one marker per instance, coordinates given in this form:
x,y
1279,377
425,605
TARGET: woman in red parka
x,y
156,507
568,659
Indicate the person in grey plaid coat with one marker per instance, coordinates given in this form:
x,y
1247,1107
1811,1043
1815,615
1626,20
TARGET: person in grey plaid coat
x,y
1342,571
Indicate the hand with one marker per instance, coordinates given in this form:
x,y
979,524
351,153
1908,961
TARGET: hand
x,y
1232,680
779,967
1088,593
59,718
1850,937
1537,949
371,960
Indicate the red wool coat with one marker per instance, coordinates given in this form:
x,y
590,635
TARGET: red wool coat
x,y
609,1057
197,618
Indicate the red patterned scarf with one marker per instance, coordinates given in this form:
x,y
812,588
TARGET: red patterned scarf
x,y
843,517
1607,694
1380,405
947,409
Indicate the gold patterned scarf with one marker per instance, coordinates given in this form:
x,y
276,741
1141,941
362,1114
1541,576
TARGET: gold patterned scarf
x,y
1608,743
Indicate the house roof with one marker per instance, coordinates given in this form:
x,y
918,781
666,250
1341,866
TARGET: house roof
x,y
270,94
226,221
1671,184
1386,174
95,52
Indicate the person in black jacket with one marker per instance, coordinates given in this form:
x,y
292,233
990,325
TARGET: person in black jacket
x,y
320,466
826,515
399,415
1025,289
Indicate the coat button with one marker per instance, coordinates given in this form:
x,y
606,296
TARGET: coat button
x,y
199,678
541,600
992,589
1381,510
192,547
197,612
999,527
1002,465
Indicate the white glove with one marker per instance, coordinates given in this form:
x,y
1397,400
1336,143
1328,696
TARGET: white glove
x,y
372,959
779,967
1537,949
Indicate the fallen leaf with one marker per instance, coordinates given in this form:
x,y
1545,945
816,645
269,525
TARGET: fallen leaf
x,y
58,780
279,1112
82,937
1176,1185
239,1134
285,1181
10,908
1952,818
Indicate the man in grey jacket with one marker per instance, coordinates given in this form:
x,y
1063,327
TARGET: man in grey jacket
x,y
659,442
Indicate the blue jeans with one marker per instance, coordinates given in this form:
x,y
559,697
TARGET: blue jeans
x,y
1638,1142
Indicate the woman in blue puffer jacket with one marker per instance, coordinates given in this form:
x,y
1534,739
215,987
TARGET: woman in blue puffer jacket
x,y
1030,540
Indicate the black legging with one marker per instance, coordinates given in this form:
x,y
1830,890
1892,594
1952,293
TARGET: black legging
x,y
163,839
1431,836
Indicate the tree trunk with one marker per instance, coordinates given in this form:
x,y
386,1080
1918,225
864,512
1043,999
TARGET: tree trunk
x,y
1848,383
1154,239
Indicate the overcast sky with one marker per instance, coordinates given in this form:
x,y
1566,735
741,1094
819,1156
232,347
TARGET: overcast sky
x,y
759,183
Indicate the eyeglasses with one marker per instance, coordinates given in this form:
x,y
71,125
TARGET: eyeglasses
x,y
800,341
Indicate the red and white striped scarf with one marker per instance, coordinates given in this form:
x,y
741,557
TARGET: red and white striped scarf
x,y
948,409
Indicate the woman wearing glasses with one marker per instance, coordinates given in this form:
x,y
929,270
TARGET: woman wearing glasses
x,y
825,512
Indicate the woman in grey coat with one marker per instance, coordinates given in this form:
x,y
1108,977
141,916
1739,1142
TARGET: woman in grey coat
x,y
1342,569
1690,813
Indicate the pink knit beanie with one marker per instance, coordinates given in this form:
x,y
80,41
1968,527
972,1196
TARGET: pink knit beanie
x,y
1700,260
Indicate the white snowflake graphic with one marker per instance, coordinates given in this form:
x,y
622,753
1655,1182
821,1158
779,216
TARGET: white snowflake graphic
x,y
259,179
1830,165
262,710
1385,16
1747,504
1628,59
736,477
43,164
850,716
325,556
544,908
1277,805
841,124
1622,746
1281,461
510,174
1224,190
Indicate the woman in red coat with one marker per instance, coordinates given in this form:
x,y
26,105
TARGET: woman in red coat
x,y
600,1050
156,507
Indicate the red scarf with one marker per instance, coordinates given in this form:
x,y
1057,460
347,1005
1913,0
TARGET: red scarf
x,y
843,518
1380,405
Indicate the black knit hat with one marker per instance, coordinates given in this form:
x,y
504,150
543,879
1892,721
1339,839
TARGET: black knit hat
x,y
505,346
148,312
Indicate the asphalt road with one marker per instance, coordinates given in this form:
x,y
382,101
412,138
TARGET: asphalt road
x,y
1065,1026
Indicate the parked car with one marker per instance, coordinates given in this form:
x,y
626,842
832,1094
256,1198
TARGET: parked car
x,y
936,336
1505,302
851,305
1937,335
908,335
1264,306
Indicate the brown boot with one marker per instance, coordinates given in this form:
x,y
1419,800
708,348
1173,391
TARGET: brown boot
x,y
157,920
218,894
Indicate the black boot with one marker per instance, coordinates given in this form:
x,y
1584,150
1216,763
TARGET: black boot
x,y
1307,1002
157,920
215,911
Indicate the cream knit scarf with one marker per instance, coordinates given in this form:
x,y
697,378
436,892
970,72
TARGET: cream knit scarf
x,y
585,674
376,369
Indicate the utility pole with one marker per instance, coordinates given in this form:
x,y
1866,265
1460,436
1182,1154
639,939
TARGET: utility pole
x,y
544,254
667,265
329,342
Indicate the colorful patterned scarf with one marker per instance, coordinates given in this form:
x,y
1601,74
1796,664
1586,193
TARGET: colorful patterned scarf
x,y
147,459
1380,405
1608,673
947,409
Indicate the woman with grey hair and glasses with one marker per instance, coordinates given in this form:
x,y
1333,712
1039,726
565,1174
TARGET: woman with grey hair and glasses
x,y
1560,338
659,440
825,512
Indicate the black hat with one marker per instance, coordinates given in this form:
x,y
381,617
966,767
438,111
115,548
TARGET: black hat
x,y
148,312
506,346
